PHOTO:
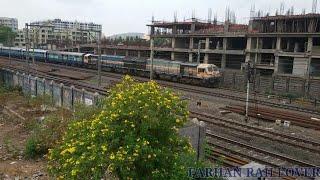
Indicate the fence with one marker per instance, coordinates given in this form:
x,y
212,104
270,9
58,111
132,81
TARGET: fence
x,y
67,97
277,84
60,95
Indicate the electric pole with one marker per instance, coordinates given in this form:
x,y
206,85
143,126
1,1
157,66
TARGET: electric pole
x,y
250,74
27,46
99,59
151,57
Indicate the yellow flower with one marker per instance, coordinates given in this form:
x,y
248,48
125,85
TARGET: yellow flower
x,y
104,148
112,157
177,120
132,125
74,172
70,150
149,156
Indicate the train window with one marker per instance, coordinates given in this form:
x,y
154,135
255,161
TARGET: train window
x,y
200,70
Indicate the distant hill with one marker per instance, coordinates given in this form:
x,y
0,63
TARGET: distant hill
x,y
124,35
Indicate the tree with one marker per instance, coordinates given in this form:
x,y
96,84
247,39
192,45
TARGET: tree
x,y
134,137
7,36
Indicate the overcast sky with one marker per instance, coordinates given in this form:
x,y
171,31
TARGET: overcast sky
x,y
120,16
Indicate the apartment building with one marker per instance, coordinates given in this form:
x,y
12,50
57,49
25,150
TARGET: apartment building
x,y
53,34
9,22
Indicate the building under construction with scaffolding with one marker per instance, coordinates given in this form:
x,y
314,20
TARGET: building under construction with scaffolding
x,y
285,44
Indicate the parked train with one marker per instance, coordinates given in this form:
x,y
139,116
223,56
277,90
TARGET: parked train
x,y
207,75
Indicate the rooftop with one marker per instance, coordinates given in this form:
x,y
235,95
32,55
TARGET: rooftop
x,y
280,17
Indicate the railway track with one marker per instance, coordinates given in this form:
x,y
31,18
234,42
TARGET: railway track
x,y
271,115
228,160
225,158
257,154
194,89
237,127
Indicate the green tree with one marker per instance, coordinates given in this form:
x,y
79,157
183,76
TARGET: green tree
x,y
134,137
7,35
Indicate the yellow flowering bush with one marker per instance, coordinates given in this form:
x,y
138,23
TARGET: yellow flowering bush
x,y
134,137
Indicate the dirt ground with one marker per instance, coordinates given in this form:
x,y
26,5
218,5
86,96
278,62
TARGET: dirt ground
x,y
14,131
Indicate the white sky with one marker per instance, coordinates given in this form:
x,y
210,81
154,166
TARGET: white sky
x,y
120,16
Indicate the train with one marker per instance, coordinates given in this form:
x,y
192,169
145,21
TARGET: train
x,y
200,74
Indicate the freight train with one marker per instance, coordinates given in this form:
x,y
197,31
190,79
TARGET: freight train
x,y
207,75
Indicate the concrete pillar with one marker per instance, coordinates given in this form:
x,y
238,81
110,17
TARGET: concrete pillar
x,y
223,61
249,43
296,47
278,44
276,64
191,43
207,43
276,57
288,45
206,58
218,45
310,44
258,60
139,54
225,44
173,43
224,56
127,52
248,49
172,56
190,57
193,27
273,43
258,43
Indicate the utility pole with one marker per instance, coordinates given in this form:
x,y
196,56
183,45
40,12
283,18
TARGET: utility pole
x,y
9,44
33,48
249,72
151,57
99,59
27,47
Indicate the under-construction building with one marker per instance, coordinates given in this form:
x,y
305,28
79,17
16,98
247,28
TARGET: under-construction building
x,y
285,45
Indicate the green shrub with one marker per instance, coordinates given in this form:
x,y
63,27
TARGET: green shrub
x,y
34,148
134,137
